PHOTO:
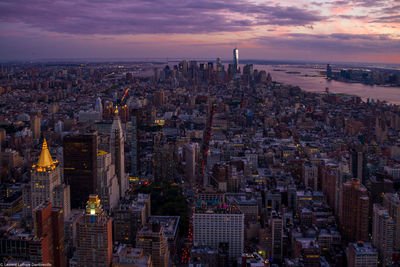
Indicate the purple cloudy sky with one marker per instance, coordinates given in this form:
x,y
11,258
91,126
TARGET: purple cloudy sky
x,y
325,30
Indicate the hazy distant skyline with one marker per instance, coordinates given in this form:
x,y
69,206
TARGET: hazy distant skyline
x,y
319,30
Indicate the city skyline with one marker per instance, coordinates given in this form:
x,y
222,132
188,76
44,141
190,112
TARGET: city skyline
x,y
349,31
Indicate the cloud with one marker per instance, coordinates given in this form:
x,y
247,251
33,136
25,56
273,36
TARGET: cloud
x,y
333,43
150,17
388,19
362,3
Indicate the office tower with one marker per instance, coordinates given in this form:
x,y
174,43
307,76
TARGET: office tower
x,y
80,166
358,166
219,65
130,217
383,233
183,66
392,203
159,98
35,127
62,199
27,201
219,224
107,181
354,211
328,71
276,243
99,108
310,175
45,177
151,238
191,149
362,254
94,236
134,142
117,153
164,163
49,226
236,59
248,71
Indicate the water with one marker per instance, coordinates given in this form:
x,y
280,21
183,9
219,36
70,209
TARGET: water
x,y
315,83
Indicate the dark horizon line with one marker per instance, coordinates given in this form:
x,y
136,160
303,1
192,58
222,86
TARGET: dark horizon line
x,y
177,59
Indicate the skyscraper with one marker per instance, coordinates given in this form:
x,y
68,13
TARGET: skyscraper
x,y
80,166
49,226
35,127
392,203
191,149
213,226
107,181
151,238
236,59
94,236
118,154
45,177
354,211
382,233
134,142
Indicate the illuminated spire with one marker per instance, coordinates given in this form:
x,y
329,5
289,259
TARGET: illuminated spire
x,y
45,159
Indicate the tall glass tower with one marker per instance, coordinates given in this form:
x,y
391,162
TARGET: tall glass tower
x,y
236,59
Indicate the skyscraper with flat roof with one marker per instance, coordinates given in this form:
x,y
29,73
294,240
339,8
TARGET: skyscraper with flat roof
x,y
382,233
80,166
49,226
354,211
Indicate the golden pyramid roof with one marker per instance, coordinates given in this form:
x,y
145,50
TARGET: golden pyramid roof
x,y
45,159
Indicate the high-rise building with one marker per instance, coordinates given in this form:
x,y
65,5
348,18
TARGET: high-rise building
x,y
362,254
45,177
164,162
392,203
159,97
99,107
236,59
107,181
94,236
191,150
383,233
130,217
151,238
354,211
49,226
117,153
328,71
35,127
80,166
62,199
310,175
134,142
219,65
274,242
358,166
219,224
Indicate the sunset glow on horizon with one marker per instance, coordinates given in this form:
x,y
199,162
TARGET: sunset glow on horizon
x,y
320,30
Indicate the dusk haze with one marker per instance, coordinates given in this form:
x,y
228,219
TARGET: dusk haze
x,y
320,30
200,133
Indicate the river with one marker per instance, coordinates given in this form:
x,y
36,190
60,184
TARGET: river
x,y
315,83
